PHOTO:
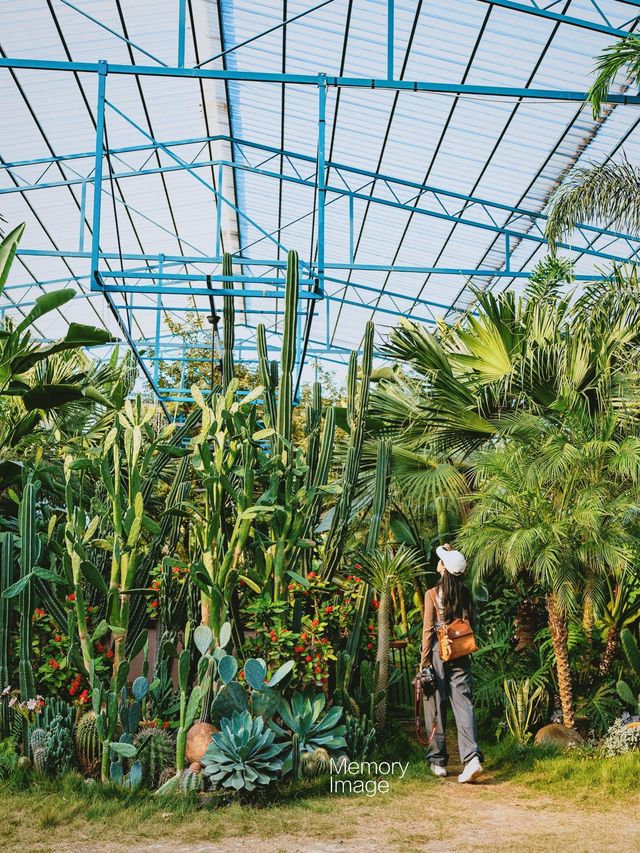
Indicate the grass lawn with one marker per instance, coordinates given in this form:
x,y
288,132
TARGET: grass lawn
x,y
531,799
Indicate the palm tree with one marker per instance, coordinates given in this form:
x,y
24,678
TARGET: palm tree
x,y
607,192
469,378
385,571
559,507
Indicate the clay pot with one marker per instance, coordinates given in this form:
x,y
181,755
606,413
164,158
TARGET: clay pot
x,y
198,740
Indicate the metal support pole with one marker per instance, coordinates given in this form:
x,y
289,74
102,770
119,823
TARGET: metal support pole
x,y
97,184
320,174
83,208
507,252
351,243
390,38
156,364
219,212
182,26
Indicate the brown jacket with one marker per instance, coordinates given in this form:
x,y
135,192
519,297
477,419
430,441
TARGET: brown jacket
x,y
428,626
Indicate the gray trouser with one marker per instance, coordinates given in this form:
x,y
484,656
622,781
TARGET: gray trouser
x,y
453,683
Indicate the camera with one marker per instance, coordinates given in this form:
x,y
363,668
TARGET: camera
x,y
428,679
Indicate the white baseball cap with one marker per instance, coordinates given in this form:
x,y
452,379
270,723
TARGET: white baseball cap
x,y
453,561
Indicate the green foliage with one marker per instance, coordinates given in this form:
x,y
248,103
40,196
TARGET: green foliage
x,y
8,758
522,707
306,717
359,736
632,653
621,738
243,755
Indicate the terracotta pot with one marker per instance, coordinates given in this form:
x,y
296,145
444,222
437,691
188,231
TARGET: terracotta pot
x,y
198,740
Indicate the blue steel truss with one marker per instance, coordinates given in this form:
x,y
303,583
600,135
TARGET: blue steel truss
x,y
121,278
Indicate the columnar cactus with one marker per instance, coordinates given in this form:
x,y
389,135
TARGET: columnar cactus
x,y
87,744
6,579
29,553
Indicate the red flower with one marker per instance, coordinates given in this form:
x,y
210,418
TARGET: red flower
x,y
156,585
328,609
303,636
71,596
83,696
318,668
308,658
369,645
176,570
54,664
315,623
57,638
99,647
311,575
39,612
109,653
154,603
375,603
371,627
357,565
166,724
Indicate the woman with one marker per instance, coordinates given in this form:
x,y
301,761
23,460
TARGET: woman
x,y
447,601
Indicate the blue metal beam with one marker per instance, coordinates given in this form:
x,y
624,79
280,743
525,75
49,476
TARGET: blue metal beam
x,y
532,8
312,80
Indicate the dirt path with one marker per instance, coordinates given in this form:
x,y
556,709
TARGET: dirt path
x,y
417,816
447,819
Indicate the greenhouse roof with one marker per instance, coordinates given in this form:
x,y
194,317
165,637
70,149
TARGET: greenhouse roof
x,y
407,150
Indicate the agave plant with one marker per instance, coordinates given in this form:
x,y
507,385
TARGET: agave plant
x,y
243,754
304,717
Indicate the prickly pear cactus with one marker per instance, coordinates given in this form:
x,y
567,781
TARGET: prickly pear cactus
x,y
156,752
39,758
88,748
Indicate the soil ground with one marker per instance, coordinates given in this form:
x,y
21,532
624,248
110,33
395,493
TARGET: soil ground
x,y
418,814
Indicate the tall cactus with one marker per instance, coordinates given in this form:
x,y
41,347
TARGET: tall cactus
x,y
288,355
229,318
6,579
357,406
29,553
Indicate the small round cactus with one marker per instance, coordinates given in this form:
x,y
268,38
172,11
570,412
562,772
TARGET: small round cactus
x,y
308,765
191,779
167,774
322,761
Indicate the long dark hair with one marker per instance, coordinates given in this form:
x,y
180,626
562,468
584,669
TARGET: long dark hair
x,y
456,598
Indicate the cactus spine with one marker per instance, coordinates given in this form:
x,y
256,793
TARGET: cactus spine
x,y
229,318
29,552
6,579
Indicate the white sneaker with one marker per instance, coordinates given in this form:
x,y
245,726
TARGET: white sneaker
x,y
438,771
472,771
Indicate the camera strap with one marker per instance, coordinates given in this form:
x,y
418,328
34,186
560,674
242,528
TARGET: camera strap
x,y
417,694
